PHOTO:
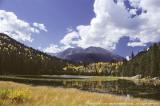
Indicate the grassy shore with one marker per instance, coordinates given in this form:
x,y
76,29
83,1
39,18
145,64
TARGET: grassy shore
x,y
27,95
49,79
58,78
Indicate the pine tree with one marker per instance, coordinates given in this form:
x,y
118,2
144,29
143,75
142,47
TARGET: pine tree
x,y
154,61
132,55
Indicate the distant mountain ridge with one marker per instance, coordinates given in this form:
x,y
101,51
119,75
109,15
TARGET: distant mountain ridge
x,y
88,55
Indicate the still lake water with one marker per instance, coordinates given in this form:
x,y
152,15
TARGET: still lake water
x,y
118,87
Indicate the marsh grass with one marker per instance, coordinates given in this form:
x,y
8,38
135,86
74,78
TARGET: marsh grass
x,y
50,96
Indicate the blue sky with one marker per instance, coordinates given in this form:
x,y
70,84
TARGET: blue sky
x,y
57,15
117,25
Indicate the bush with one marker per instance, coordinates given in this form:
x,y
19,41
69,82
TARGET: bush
x,y
19,95
4,93
15,95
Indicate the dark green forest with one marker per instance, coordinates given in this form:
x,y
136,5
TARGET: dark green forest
x,y
16,58
145,63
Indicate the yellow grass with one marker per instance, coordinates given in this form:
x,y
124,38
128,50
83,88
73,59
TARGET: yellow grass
x,y
50,96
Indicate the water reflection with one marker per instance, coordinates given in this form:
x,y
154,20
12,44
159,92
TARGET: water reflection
x,y
119,87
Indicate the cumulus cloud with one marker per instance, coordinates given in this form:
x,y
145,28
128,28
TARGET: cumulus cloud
x,y
67,42
40,26
69,29
70,38
133,44
52,48
114,19
18,29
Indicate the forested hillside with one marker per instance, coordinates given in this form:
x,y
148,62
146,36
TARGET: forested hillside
x,y
145,63
16,58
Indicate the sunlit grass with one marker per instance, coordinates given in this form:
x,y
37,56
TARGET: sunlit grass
x,y
49,96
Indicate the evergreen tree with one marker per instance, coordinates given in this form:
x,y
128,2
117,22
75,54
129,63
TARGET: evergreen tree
x,y
154,61
146,63
132,55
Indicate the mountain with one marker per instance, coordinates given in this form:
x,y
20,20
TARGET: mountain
x,y
145,63
88,55
16,58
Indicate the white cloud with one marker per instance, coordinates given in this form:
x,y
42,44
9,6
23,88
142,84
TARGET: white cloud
x,y
40,26
52,48
127,58
70,38
66,42
69,29
16,28
113,21
133,44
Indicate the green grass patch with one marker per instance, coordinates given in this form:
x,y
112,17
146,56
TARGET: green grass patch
x,y
60,78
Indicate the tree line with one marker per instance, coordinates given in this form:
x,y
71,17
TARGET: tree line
x,y
145,63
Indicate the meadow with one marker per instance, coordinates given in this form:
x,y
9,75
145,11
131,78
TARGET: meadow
x,y
75,91
28,95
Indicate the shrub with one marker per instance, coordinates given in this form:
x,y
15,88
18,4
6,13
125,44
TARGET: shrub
x,y
4,93
15,95
19,95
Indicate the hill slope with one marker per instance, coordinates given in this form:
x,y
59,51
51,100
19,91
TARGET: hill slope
x,y
145,63
89,55
16,58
